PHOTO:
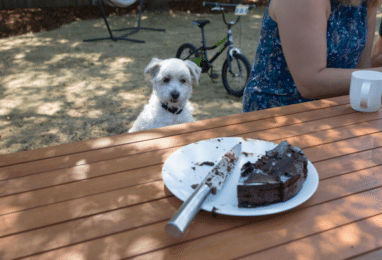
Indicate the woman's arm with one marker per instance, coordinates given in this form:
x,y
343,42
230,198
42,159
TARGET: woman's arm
x,y
376,59
364,61
303,26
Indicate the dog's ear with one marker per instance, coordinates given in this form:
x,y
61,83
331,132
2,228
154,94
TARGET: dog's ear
x,y
153,68
195,71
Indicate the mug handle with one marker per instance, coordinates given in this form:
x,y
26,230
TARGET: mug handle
x,y
365,95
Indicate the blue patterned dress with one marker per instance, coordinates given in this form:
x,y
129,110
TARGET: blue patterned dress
x,y
270,83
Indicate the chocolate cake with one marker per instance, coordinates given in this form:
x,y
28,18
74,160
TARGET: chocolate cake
x,y
275,177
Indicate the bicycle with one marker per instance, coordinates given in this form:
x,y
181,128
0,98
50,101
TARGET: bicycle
x,y
234,56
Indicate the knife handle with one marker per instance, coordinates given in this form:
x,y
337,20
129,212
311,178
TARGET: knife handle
x,y
179,223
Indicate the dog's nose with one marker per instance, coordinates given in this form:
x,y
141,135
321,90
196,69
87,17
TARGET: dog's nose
x,y
174,94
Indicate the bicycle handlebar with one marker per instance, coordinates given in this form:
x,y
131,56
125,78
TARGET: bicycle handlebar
x,y
217,8
220,7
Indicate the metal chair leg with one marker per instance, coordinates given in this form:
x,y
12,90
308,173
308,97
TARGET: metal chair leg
x,y
123,37
136,29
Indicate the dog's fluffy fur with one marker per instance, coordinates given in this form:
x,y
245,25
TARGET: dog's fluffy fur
x,y
172,81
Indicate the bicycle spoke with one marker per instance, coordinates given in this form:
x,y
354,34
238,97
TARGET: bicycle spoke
x,y
235,78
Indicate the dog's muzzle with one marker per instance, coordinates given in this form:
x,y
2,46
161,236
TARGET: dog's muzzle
x,y
173,110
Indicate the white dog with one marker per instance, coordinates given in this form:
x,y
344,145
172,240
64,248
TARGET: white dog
x,y
172,81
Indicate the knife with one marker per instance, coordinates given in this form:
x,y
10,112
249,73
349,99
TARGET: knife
x,y
213,183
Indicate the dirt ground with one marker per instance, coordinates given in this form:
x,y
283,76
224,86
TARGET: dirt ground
x,y
55,88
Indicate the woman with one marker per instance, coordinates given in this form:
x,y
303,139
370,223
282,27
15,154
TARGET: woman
x,y
376,60
308,49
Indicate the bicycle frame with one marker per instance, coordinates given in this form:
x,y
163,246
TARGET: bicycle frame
x,y
205,49
228,43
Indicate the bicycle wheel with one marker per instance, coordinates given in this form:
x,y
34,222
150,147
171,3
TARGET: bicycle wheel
x,y
235,81
187,51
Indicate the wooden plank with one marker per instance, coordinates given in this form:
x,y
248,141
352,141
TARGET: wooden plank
x,y
60,193
66,175
122,196
82,229
340,148
321,128
327,169
257,236
373,255
31,182
6,159
49,152
338,243
151,242
89,171
55,194
348,163
18,170
100,203
335,134
365,185
346,184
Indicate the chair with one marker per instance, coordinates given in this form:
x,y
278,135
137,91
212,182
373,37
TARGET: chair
x,y
121,3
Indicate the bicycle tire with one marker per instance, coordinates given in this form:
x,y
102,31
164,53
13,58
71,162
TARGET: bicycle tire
x,y
247,70
184,47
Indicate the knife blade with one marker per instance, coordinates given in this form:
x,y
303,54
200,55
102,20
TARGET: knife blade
x,y
213,183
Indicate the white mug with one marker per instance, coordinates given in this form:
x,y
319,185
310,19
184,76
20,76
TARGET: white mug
x,y
366,90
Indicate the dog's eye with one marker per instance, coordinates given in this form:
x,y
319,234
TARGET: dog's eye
x,y
183,81
166,80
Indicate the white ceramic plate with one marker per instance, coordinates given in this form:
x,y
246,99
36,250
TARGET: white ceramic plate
x,y
178,175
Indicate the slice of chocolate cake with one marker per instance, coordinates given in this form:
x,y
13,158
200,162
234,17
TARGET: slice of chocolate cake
x,y
275,177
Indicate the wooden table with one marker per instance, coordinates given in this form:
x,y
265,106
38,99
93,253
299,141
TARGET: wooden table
x,y
105,198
